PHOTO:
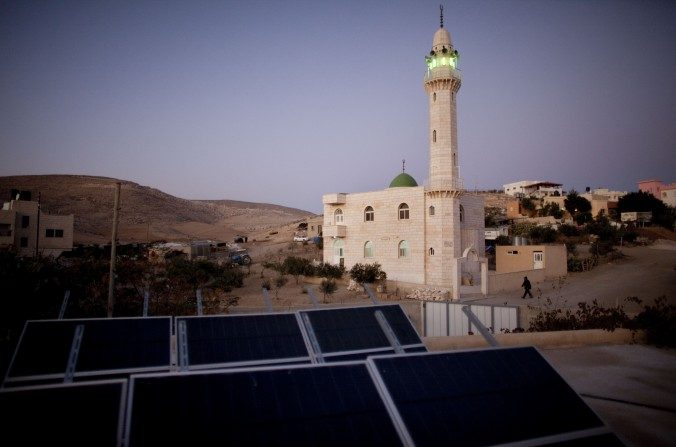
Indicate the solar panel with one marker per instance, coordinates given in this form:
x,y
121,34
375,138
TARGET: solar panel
x,y
108,346
82,414
290,405
485,397
239,340
355,333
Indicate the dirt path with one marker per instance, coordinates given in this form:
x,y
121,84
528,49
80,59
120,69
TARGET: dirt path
x,y
644,272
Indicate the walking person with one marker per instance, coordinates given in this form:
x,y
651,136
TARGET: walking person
x,y
526,286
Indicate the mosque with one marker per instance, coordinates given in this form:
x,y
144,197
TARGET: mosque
x,y
429,235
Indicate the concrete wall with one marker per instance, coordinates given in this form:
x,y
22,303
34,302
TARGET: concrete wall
x,y
55,245
540,339
519,258
505,282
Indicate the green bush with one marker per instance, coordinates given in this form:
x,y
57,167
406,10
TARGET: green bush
x,y
366,273
569,230
328,287
331,271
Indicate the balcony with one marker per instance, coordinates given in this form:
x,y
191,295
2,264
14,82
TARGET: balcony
x,y
334,199
442,73
335,231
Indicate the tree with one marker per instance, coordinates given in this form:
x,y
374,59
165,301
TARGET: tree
x,y
279,283
297,266
528,205
551,209
641,201
578,207
328,287
366,273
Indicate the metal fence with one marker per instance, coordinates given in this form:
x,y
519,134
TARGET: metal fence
x,y
443,318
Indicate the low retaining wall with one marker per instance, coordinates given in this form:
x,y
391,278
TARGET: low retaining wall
x,y
555,339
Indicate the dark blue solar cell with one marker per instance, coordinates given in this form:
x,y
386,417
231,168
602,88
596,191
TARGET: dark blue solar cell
x,y
482,397
107,345
357,328
325,405
73,415
604,440
244,338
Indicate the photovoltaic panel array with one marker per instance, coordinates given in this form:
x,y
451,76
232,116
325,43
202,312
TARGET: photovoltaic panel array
x,y
336,404
355,333
81,414
107,347
486,397
238,340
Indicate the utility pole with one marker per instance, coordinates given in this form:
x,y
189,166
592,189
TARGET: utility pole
x,y
37,236
113,247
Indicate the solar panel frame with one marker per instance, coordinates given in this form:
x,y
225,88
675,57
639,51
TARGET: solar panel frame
x,y
249,363
397,424
564,438
79,385
11,378
351,354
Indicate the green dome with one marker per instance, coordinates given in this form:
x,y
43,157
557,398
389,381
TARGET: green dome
x,y
403,179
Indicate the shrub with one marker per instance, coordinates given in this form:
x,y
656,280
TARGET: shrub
x,y
366,273
265,284
331,271
569,230
328,287
502,240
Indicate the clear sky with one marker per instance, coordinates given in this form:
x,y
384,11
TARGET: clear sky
x,y
281,101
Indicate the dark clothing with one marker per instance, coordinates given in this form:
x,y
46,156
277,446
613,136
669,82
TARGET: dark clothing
x,y
526,285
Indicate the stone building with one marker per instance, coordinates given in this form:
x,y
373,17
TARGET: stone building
x,y
430,234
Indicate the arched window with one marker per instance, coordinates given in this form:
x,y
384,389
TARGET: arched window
x,y
403,211
368,249
434,136
432,210
369,214
462,213
434,96
338,216
403,249
431,251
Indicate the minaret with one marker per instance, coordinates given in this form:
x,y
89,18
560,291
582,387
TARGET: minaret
x,y
442,82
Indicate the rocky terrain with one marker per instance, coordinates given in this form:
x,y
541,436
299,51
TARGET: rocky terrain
x,y
146,214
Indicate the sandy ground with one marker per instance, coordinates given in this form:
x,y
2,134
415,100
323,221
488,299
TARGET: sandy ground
x,y
644,272
630,387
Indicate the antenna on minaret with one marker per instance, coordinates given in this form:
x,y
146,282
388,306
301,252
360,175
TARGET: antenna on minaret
x,y
441,15
403,165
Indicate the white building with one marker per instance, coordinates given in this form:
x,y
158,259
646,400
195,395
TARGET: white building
x,y
537,188
421,235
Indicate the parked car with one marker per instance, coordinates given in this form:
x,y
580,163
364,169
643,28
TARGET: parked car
x,y
300,239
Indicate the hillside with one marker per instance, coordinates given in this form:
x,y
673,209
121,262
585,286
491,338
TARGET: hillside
x,y
146,213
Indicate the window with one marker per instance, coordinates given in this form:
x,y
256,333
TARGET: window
x,y
5,230
368,249
25,221
403,249
434,136
23,242
403,211
338,216
434,96
514,252
369,214
454,161
462,213
431,251
51,232
431,210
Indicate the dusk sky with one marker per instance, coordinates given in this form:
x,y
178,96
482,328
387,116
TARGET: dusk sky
x,y
281,102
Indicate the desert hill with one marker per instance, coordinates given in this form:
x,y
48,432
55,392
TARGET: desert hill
x,y
146,213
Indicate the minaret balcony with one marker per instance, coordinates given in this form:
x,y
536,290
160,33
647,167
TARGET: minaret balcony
x,y
448,72
335,231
